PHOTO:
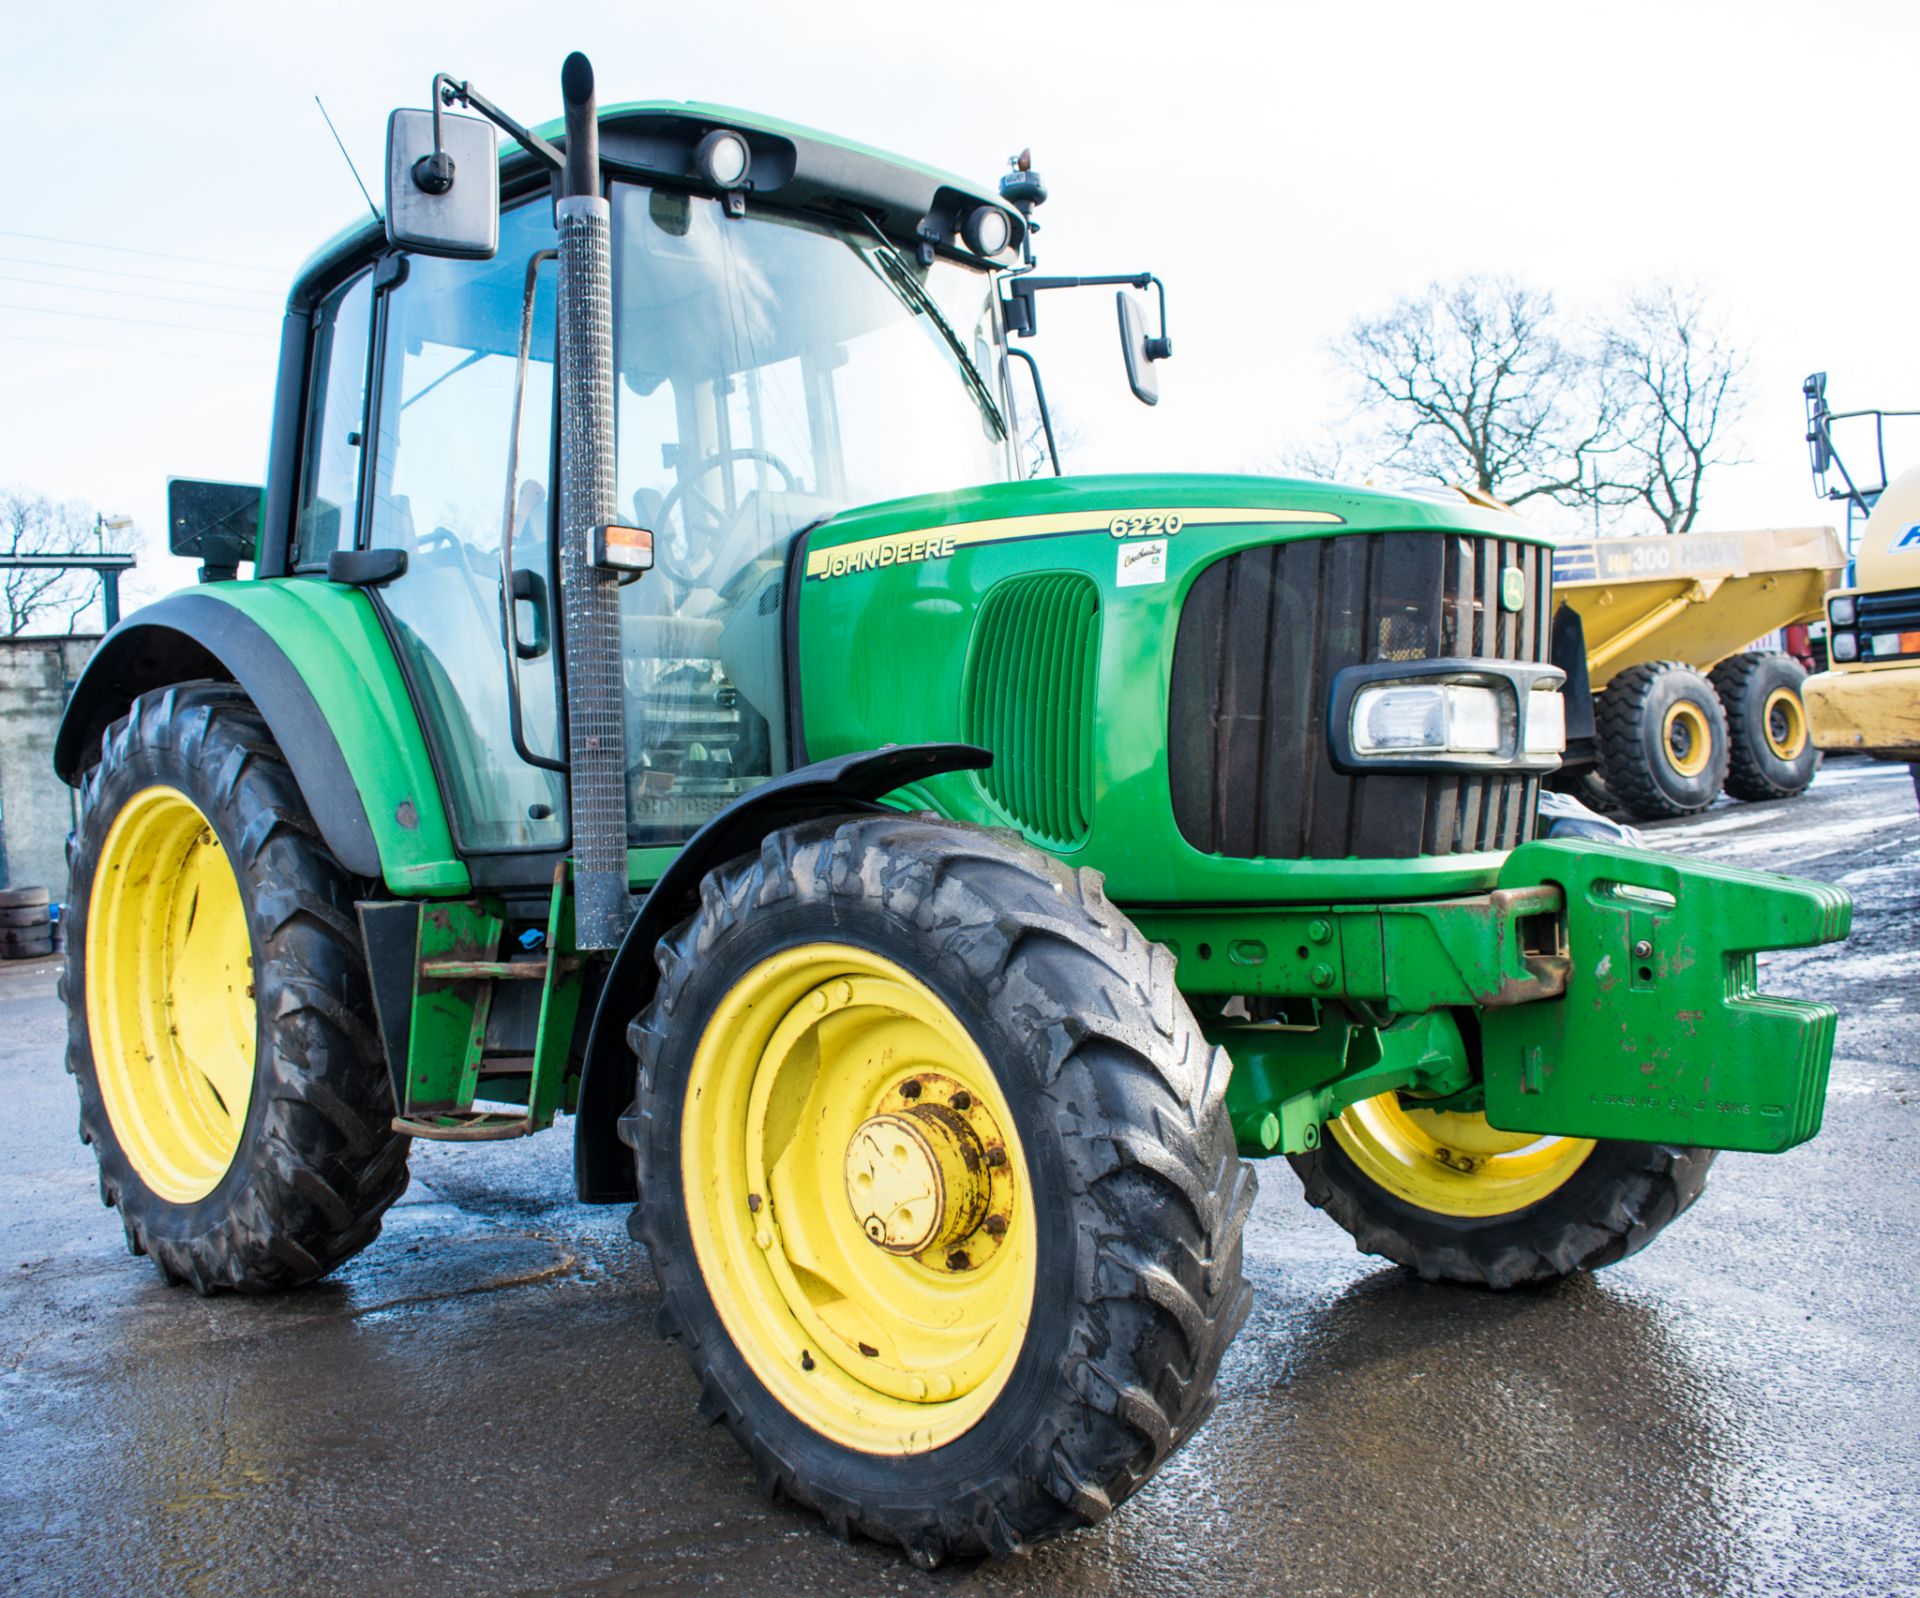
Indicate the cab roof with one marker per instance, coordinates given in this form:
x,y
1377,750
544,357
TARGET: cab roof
x,y
792,166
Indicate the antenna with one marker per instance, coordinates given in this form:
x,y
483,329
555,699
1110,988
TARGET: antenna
x,y
348,159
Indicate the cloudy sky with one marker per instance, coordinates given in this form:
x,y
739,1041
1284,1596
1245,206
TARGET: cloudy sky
x,y
1284,166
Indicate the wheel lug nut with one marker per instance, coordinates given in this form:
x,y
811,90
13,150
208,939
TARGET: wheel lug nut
x,y
910,1090
963,1100
996,1157
958,1261
994,1226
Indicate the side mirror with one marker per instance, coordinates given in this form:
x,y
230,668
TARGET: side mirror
x,y
1819,441
443,185
217,524
1138,350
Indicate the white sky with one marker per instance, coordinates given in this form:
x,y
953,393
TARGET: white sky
x,y
1283,166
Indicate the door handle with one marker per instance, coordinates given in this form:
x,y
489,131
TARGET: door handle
x,y
530,588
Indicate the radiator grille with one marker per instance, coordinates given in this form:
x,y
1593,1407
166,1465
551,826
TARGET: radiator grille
x,y
1261,636
1029,699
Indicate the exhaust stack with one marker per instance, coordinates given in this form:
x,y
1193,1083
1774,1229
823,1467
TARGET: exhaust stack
x,y
589,598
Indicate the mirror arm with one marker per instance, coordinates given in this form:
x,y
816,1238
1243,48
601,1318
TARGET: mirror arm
x,y
1025,321
447,91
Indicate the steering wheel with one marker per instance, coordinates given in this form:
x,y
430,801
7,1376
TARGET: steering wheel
x,y
700,560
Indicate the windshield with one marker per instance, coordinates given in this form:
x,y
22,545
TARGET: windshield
x,y
770,371
773,356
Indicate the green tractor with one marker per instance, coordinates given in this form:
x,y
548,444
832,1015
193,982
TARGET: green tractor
x,y
659,699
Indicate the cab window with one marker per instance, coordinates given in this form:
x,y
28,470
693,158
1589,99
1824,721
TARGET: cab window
x,y
329,512
442,494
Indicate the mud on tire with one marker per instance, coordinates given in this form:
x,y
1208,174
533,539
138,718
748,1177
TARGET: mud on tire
x,y
1620,1199
318,1162
1138,1193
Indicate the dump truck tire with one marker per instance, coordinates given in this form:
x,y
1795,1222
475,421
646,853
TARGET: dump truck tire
x,y
1771,754
851,976
217,1005
1662,740
1562,1204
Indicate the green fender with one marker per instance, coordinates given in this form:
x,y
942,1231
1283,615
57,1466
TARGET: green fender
x,y
314,659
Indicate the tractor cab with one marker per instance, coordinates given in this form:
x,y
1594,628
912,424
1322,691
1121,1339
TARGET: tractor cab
x,y
772,365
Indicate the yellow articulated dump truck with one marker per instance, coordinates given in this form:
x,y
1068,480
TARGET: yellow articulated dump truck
x,y
1867,701
1682,707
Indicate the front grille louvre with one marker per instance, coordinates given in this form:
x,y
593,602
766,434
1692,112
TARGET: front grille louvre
x,y
1261,636
1898,610
1029,699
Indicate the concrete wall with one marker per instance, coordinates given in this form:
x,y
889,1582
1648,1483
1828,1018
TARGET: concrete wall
x,y
36,807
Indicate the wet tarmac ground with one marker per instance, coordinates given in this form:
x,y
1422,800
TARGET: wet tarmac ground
x,y
478,1404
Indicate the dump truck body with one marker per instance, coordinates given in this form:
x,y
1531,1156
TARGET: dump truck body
x,y
1696,597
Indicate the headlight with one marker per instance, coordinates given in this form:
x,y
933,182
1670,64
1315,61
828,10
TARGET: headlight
x,y
1840,611
1446,714
986,230
1423,718
1844,646
1546,722
722,159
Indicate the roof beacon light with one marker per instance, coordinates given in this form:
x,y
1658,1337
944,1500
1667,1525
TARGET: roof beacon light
x,y
987,230
722,158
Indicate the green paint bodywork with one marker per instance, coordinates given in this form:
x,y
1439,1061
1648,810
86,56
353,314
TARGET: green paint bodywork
x,y
1388,955
458,972
1663,1035
1671,1044
1288,1082
883,653
450,1008
331,636
1406,946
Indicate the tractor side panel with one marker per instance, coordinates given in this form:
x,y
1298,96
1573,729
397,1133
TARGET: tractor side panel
x,y
330,638
1039,620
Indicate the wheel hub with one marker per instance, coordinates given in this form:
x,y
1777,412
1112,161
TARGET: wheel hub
x,y
916,1181
927,1175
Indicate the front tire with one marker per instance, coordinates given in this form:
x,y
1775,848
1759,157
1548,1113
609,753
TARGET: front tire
x,y
1456,1200
217,997
1017,1336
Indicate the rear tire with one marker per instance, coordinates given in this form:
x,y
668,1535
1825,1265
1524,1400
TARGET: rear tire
x,y
1608,1204
1662,740
1127,1182
1770,752
197,871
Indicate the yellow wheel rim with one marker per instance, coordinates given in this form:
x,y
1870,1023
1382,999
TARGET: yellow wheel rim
x,y
1450,1163
858,1199
169,979
1688,738
1784,723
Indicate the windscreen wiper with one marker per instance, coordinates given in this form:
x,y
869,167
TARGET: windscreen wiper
x,y
899,276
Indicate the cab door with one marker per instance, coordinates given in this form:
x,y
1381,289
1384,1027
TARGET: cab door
x,y
467,499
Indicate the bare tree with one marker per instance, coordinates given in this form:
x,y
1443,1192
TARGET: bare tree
x,y
1677,375
47,599
1036,460
1328,458
1470,384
